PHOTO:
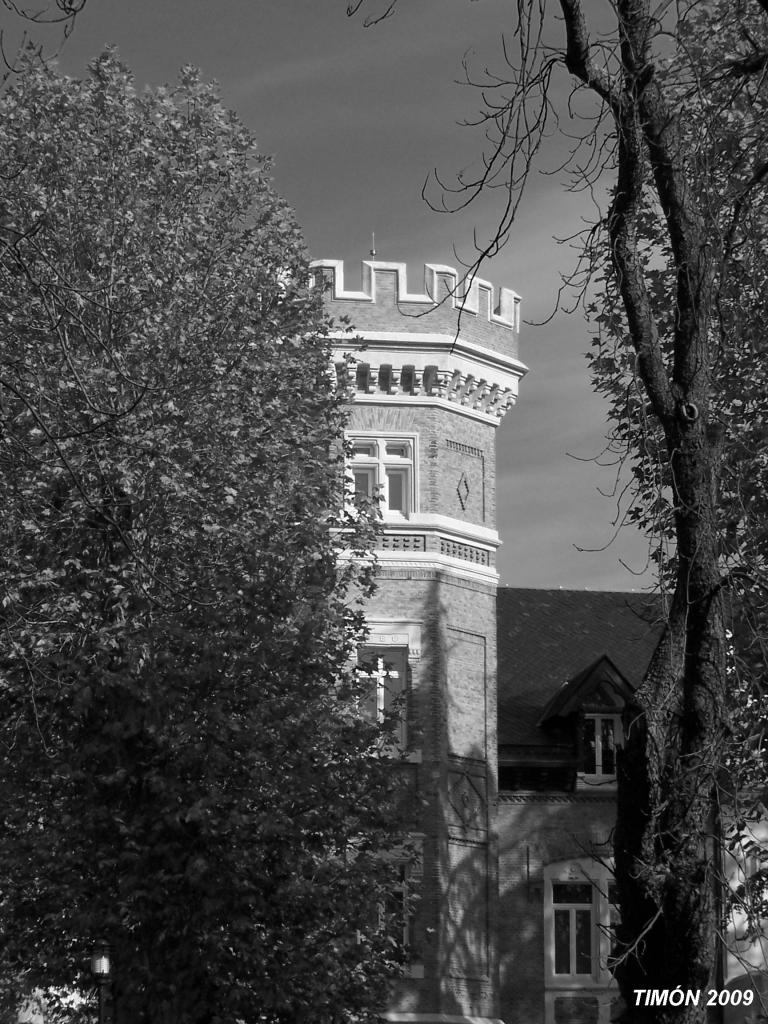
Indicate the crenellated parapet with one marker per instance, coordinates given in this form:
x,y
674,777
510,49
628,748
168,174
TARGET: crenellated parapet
x,y
453,343
383,283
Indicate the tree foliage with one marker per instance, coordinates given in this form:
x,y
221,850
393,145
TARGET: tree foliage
x,y
184,772
724,135
715,73
662,107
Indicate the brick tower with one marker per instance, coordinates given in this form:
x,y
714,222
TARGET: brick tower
x,y
434,374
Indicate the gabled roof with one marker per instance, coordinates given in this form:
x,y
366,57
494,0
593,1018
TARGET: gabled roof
x,y
599,685
548,637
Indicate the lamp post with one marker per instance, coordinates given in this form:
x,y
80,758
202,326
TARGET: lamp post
x,y
101,969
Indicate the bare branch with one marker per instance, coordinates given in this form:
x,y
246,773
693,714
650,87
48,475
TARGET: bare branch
x,y
578,58
373,19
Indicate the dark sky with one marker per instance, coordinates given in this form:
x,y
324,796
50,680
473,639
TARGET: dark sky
x,y
356,119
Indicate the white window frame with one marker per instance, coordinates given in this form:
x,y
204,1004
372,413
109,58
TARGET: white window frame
x,y
573,909
399,655
599,777
600,878
379,464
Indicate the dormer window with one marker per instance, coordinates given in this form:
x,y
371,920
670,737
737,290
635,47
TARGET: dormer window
x,y
383,468
601,736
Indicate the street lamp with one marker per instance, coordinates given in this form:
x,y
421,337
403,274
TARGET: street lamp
x,y
101,969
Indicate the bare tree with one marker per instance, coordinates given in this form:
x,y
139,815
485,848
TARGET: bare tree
x,y
44,16
676,249
61,12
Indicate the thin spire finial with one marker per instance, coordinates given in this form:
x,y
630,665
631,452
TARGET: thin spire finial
x,y
373,244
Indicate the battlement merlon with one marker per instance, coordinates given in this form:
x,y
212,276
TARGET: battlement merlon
x,y
442,345
440,283
468,304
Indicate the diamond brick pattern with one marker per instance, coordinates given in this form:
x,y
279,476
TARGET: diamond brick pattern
x,y
462,489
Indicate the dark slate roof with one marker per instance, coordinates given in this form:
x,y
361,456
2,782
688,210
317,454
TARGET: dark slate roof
x,y
547,638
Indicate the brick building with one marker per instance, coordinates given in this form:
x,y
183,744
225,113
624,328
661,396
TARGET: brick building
x,y
427,400
513,697
566,660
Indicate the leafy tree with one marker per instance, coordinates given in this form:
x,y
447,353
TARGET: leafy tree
x,y
665,109
184,771
724,135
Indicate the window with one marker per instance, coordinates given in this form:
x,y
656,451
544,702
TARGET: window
x,y
387,670
383,468
580,917
573,927
602,735
397,912
397,915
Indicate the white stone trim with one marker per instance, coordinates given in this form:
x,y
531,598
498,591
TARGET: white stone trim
x,y
454,529
431,400
391,346
421,560
470,379
395,633
450,530
464,291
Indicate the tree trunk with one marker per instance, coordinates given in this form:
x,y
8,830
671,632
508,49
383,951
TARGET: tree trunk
x,y
675,731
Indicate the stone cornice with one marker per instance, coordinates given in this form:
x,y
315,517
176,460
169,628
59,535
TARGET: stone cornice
x,y
420,561
450,344
428,370
425,346
542,797
493,416
454,528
